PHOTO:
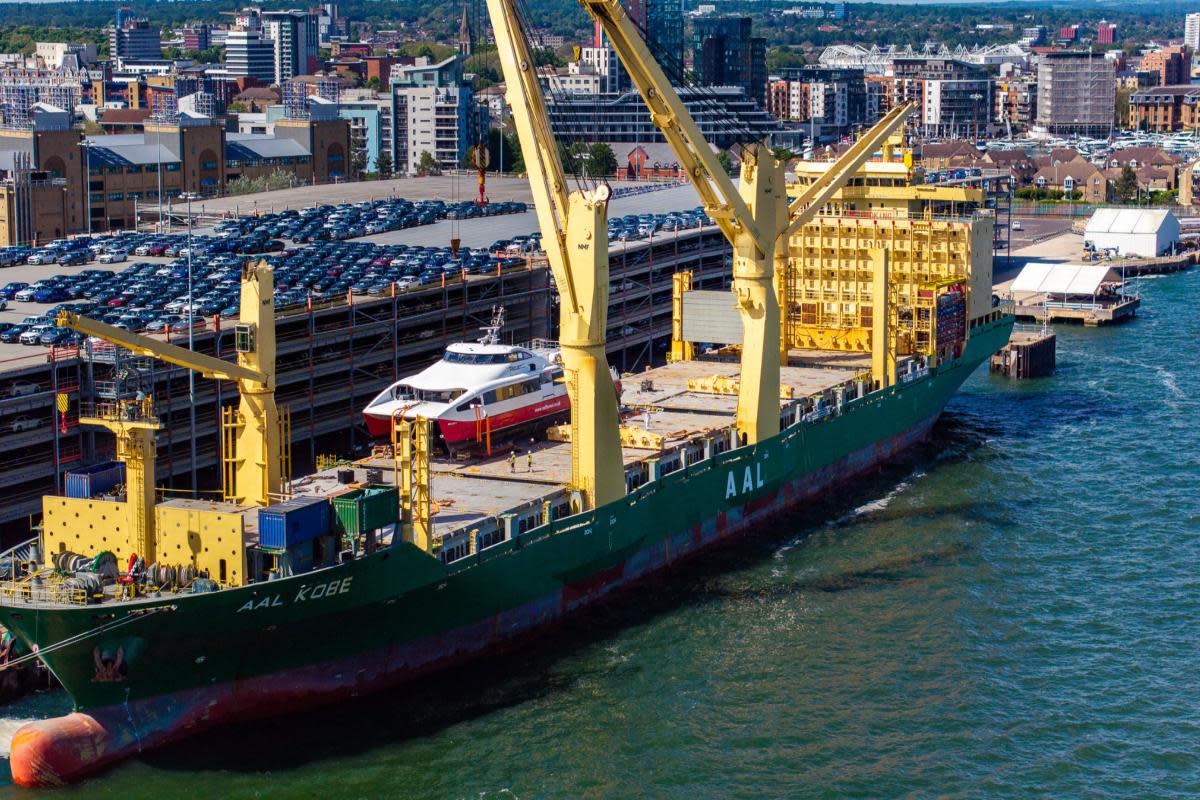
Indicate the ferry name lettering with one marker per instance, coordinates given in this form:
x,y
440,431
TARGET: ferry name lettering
x,y
751,480
304,593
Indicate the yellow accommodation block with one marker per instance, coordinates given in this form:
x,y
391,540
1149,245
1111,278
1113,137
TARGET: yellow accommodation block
x,y
932,233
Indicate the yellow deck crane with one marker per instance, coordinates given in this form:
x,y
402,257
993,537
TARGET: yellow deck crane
x,y
755,215
574,229
256,473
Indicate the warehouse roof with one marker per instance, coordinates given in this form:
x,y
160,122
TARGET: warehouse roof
x,y
1077,279
262,145
121,154
1128,220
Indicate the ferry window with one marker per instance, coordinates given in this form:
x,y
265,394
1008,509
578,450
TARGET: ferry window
x,y
489,397
514,357
475,358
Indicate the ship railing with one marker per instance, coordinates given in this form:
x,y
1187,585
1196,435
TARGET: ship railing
x,y
16,561
132,410
47,590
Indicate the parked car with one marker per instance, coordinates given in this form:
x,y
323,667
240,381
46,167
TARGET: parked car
x,y
9,290
73,258
13,334
24,424
42,257
112,257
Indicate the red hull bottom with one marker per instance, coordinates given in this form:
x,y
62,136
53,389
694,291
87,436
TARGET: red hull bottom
x,y
459,432
64,750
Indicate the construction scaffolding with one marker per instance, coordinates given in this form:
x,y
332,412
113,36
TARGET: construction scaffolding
x,y
165,108
295,100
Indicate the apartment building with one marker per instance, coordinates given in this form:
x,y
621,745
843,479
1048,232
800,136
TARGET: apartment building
x,y
1015,102
248,52
293,35
830,97
954,97
133,39
1172,65
726,53
1191,32
724,115
1076,93
433,111
1164,109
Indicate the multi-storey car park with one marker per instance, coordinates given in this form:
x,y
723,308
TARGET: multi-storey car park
x,y
333,357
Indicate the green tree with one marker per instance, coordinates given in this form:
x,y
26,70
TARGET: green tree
x,y
725,161
383,164
358,163
1126,187
172,53
545,57
372,82
783,58
602,162
511,151
514,144
1121,111
566,155
427,164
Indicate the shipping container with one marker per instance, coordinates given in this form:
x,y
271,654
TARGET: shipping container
x,y
300,519
94,480
368,509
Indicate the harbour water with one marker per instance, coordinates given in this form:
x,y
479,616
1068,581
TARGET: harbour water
x,y
1010,612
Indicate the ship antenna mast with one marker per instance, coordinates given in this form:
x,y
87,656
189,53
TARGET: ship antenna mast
x,y
491,332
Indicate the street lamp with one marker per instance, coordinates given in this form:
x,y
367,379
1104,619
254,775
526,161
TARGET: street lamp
x,y
189,197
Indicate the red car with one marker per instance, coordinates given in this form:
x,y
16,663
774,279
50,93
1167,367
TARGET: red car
x,y
117,302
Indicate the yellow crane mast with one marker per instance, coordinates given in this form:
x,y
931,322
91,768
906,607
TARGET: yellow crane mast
x,y
574,228
754,215
259,464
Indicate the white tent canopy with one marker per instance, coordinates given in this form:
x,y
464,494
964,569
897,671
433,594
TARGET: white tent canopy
x,y
1142,231
1043,278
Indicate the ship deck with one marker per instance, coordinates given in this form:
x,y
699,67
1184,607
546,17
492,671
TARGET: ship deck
x,y
470,489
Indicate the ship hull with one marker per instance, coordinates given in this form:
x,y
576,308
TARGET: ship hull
x,y
392,616
462,431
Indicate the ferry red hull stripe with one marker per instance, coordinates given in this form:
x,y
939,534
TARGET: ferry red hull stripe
x,y
459,431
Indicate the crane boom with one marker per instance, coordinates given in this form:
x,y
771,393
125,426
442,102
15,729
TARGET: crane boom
x,y
755,216
719,195
254,472
547,180
207,366
575,237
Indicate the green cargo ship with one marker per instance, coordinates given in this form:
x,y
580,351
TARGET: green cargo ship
x,y
512,560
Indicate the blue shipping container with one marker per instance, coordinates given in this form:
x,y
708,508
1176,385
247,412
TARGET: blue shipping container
x,y
94,480
284,524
